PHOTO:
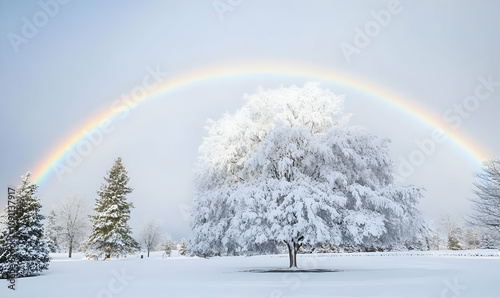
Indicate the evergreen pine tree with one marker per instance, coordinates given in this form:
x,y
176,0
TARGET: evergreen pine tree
x,y
22,243
487,242
183,247
471,239
435,240
111,234
167,247
453,241
52,231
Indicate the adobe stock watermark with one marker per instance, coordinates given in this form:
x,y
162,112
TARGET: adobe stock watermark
x,y
116,285
121,107
455,117
452,289
364,36
222,7
11,274
31,26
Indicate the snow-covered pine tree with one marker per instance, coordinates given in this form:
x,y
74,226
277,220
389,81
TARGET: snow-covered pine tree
x,y
453,242
487,242
166,245
183,247
454,234
52,230
30,254
111,234
286,168
471,239
435,240
454,239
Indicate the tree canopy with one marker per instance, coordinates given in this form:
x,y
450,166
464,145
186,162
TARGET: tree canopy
x,y
287,169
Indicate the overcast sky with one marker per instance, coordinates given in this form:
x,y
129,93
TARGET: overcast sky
x,y
62,64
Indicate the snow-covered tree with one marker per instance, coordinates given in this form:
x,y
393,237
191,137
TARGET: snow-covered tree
x,y
111,234
52,231
72,220
4,221
435,240
487,242
150,234
166,245
22,242
453,241
183,247
471,239
486,204
454,233
287,168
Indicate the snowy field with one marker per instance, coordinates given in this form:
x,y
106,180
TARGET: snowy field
x,y
413,274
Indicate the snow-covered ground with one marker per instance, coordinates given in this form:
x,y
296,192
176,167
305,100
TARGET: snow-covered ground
x,y
423,274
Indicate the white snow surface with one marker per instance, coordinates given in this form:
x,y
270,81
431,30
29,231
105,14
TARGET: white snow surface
x,y
402,274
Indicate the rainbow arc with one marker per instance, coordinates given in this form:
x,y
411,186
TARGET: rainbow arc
x,y
172,83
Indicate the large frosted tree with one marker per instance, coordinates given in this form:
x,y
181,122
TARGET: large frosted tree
x,y
287,169
486,203
22,245
111,234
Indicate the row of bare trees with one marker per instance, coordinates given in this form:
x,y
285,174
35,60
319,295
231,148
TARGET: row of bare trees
x,y
152,239
453,235
482,224
68,226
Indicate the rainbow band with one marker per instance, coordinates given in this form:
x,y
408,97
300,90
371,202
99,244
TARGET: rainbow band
x,y
392,98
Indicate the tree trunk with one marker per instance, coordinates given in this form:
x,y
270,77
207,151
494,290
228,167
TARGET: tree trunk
x,y
290,255
70,248
293,249
148,253
296,247
293,260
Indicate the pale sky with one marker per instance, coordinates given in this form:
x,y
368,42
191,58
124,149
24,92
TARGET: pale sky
x,y
62,64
